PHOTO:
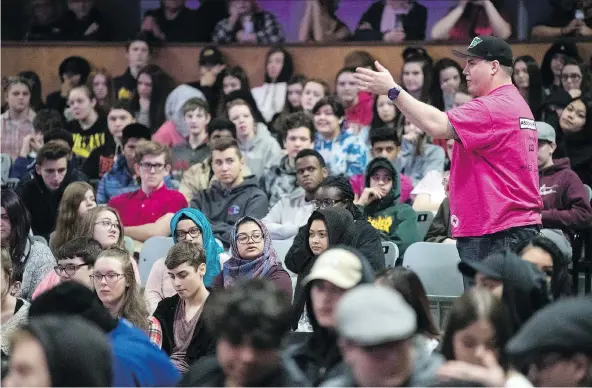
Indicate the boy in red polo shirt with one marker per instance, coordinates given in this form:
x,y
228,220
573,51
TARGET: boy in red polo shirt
x,y
147,212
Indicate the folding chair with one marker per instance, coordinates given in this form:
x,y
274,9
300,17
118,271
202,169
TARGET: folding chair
x,y
424,220
153,249
391,253
281,248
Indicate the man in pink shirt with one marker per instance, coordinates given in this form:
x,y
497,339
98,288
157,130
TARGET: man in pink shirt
x,y
147,212
494,191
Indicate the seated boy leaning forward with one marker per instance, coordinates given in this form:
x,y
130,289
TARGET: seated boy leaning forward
x,y
147,212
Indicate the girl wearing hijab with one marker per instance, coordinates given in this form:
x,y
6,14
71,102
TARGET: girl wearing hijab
x,y
325,228
186,225
253,256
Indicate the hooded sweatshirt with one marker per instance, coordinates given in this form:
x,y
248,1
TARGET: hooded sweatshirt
x,y
565,199
340,226
417,166
395,221
174,130
259,151
223,207
77,352
318,356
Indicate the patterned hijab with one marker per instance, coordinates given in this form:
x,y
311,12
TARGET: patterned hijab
x,y
236,267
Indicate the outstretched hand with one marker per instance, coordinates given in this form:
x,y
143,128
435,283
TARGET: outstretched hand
x,y
377,82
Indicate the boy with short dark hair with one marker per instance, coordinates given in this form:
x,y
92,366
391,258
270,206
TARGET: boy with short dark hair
x,y
138,51
76,259
196,113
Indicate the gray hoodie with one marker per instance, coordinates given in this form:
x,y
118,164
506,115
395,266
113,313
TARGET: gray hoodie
x,y
174,104
224,207
260,150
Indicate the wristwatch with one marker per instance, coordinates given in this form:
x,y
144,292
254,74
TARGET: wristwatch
x,y
394,93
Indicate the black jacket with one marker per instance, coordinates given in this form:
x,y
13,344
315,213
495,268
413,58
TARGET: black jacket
x,y
42,203
125,85
208,373
414,23
201,343
439,229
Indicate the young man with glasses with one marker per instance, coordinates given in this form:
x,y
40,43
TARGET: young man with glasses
x,y
76,259
148,211
231,196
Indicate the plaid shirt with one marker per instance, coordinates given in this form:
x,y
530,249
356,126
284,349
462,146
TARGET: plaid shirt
x,y
13,132
155,332
267,29
278,180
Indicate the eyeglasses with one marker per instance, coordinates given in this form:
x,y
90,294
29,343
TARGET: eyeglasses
x,y
158,167
573,77
110,277
325,203
193,232
108,224
243,238
70,269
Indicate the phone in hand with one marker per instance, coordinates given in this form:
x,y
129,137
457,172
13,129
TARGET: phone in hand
x,y
579,14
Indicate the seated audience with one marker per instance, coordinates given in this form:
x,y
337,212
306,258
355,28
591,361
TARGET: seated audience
x,y
376,329
576,124
147,211
440,230
199,176
231,196
393,21
88,127
447,79
252,256
101,84
136,361
59,352
518,283
101,159
472,18
118,289
234,78
314,89
254,139
14,310
385,143
568,18
575,78
326,228
407,283
279,178
148,102
247,23
249,318
73,72
184,336
553,62
381,205
358,104
77,200
344,153
527,78
194,149
122,178
138,51
320,23
31,259
549,259
76,261
172,22
292,211
45,21
212,64
418,157
384,113
192,226
270,96
554,347
45,121
337,192
293,102
416,74
17,120
42,194
337,270
84,22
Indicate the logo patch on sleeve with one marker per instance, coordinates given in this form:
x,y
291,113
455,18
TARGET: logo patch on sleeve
x,y
527,124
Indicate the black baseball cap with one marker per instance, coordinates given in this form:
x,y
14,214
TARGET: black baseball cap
x,y
490,48
492,266
210,56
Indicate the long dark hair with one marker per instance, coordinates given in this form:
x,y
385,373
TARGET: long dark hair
x,y
295,79
426,68
36,102
408,284
560,47
560,278
585,83
535,84
287,68
236,72
20,224
162,85
437,97
377,122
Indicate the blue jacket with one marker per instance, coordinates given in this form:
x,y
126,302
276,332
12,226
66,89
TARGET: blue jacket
x,y
137,362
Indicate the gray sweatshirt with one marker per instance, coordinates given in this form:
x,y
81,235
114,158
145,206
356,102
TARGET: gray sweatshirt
x,y
259,151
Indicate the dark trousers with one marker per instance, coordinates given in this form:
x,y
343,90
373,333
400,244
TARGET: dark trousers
x,y
478,248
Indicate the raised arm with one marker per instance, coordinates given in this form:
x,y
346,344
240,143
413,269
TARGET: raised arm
x,y
442,28
305,24
500,27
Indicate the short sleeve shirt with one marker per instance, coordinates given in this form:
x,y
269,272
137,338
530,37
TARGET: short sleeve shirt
x,y
494,183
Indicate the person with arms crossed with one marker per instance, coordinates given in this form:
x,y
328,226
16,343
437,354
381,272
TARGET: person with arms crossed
x,y
494,192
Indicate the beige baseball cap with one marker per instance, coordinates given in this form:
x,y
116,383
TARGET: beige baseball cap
x,y
338,266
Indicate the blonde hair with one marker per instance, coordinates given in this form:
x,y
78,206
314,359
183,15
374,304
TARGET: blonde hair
x,y
86,227
151,148
68,219
7,265
134,307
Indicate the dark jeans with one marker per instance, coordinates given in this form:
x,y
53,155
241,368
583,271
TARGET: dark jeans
x,y
478,248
